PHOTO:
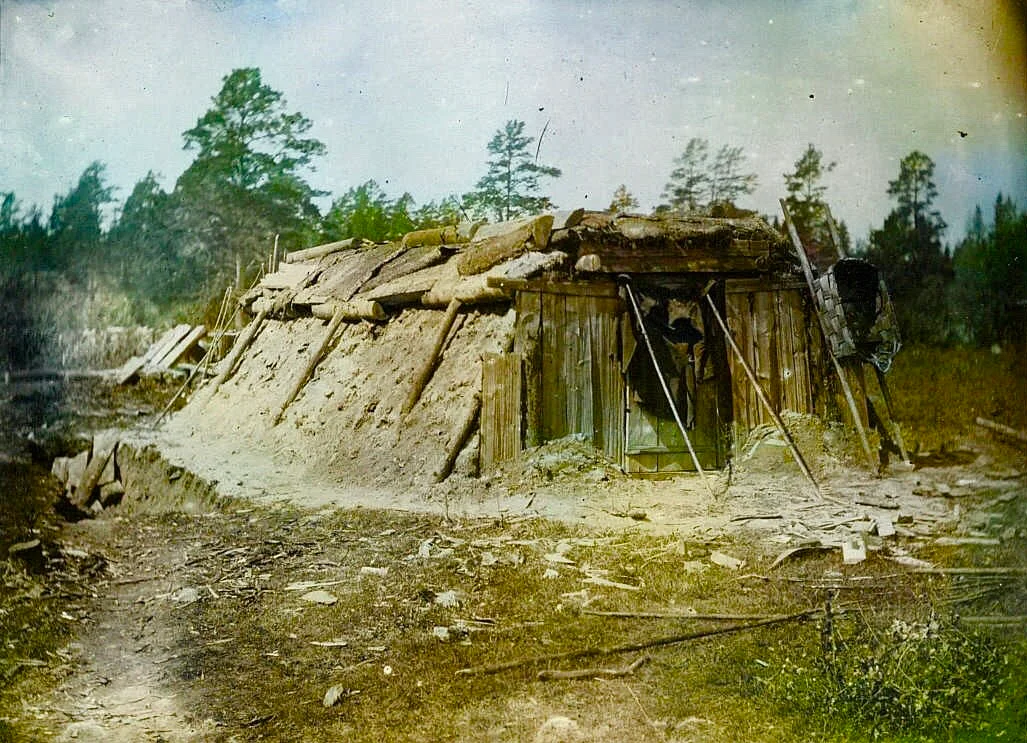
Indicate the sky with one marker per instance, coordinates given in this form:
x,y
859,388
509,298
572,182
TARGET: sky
x,y
409,93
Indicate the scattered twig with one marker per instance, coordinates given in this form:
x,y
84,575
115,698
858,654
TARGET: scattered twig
x,y
630,647
590,673
758,516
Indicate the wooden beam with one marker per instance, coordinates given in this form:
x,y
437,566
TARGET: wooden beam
x,y
572,288
807,271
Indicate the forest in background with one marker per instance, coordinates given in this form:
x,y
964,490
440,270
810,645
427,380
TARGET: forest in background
x,y
161,256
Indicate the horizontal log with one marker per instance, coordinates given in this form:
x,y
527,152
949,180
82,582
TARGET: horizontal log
x,y
286,277
740,256
570,288
484,254
355,309
320,251
434,236
540,227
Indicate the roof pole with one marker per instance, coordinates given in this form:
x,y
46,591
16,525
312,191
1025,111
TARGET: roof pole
x,y
663,382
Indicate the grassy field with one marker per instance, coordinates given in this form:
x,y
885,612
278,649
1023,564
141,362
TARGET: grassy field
x,y
938,392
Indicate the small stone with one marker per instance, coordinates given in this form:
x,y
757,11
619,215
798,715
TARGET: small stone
x,y
319,597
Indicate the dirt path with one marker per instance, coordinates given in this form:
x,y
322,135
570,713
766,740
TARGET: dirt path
x,y
121,688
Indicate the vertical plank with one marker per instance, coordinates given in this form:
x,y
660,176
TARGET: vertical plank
x,y
739,322
500,408
608,394
527,342
572,366
553,390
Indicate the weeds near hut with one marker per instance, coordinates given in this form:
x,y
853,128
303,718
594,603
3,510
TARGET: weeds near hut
x,y
916,680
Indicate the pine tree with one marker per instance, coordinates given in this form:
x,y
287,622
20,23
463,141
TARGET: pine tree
x,y
511,187
623,200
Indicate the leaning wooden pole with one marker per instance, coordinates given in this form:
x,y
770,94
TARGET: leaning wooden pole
x,y
846,388
781,427
312,361
833,229
663,382
882,382
425,375
241,344
463,435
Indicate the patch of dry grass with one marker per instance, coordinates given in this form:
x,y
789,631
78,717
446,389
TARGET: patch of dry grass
x,y
249,662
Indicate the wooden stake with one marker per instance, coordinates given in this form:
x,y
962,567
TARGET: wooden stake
x,y
462,436
663,383
312,362
846,388
425,375
781,427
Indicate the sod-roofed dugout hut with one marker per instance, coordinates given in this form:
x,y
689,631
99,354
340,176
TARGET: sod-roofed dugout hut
x,y
606,327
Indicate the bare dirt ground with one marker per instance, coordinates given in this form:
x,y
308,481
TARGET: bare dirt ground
x,y
305,608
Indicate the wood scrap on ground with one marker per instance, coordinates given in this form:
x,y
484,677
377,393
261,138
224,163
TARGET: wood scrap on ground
x,y
1002,429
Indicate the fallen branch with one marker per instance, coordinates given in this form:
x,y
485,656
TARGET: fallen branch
x,y
591,673
631,647
679,615
970,571
1002,429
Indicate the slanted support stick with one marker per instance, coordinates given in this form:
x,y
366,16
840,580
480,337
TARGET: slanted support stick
x,y
428,369
312,361
781,427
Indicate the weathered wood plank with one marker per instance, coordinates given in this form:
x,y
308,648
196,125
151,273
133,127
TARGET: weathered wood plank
x,y
349,274
554,424
527,342
181,348
409,262
501,409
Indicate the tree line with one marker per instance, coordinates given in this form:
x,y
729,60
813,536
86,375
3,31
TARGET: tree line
x,y
166,253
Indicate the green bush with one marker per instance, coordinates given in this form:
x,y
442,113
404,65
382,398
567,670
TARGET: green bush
x,y
912,681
